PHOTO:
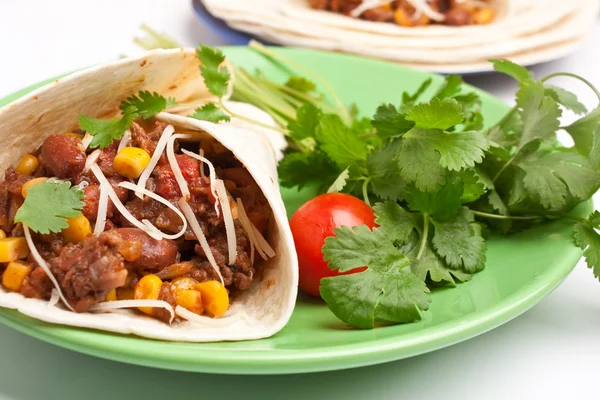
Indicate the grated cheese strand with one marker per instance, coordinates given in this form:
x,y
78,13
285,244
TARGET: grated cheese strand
x,y
87,139
228,219
183,186
102,211
54,299
247,225
367,5
92,158
162,200
191,217
212,174
262,242
105,185
420,6
160,146
124,140
42,263
201,152
109,306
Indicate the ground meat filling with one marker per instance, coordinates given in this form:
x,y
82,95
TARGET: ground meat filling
x,y
87,271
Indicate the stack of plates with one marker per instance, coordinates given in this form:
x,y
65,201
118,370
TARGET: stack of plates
x,y
525,31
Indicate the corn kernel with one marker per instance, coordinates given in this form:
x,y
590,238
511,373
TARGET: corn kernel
x,y
27,165
183,283
2,234
190,300
111,296
131,161
13,248
402,18
125,294
75,135
15,274
483,16
147,289
79,228
214,297
31,183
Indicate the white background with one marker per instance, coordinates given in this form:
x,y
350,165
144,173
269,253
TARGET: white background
x,y
551,352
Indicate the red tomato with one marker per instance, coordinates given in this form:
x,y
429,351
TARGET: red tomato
x,y
316,220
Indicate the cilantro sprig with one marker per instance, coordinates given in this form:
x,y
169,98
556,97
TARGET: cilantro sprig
x,y
48,205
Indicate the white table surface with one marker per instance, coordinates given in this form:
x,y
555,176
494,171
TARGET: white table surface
x,y
551,352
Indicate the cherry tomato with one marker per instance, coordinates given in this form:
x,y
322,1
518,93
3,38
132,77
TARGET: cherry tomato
x,y
316,220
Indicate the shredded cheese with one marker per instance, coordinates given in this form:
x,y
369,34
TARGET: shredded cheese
x,y
160,146
201,152
228,220
102,211
185,191
105,185
87,139
83,184
162,200
262,243
247,225
197,229
124,140
42,263
420,6
109,306
212,174
92,158
54,299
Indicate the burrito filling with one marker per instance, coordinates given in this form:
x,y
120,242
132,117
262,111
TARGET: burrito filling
x,y
170,224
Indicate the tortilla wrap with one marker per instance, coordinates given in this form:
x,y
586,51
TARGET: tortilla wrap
x,y
258,312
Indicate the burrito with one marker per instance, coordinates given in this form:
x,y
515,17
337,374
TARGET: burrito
x,y
143,223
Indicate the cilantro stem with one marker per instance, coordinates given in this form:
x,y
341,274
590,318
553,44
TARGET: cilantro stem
x,y
294,93
424,237
155,40
342,110
574,76
506,165
528,217
250,120
365,191
250,85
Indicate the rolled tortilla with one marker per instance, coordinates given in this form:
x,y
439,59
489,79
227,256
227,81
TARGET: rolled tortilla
x,y
258,312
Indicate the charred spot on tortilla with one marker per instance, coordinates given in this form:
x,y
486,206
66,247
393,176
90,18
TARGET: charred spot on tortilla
x,y
143,63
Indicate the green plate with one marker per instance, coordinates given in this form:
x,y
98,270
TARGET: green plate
x,y
521,270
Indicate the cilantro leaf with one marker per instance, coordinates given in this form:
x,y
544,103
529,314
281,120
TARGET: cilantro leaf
x,y
216,76
340,182
431,267
588,239
441,204
540,113
387,291
48,205
549,179
301,169
475,183
339,142
408,100
460,243
301,84
305,125
437,114
427,154
450,88
471,108
594,219
105,131
148,104
389,123
566,99
582,131
210,112
519,73
394,221
384,172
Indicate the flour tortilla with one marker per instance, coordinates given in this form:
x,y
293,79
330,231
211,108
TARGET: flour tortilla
x,y
259,312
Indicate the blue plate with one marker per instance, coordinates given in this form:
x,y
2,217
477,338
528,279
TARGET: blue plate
x,y
219,27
